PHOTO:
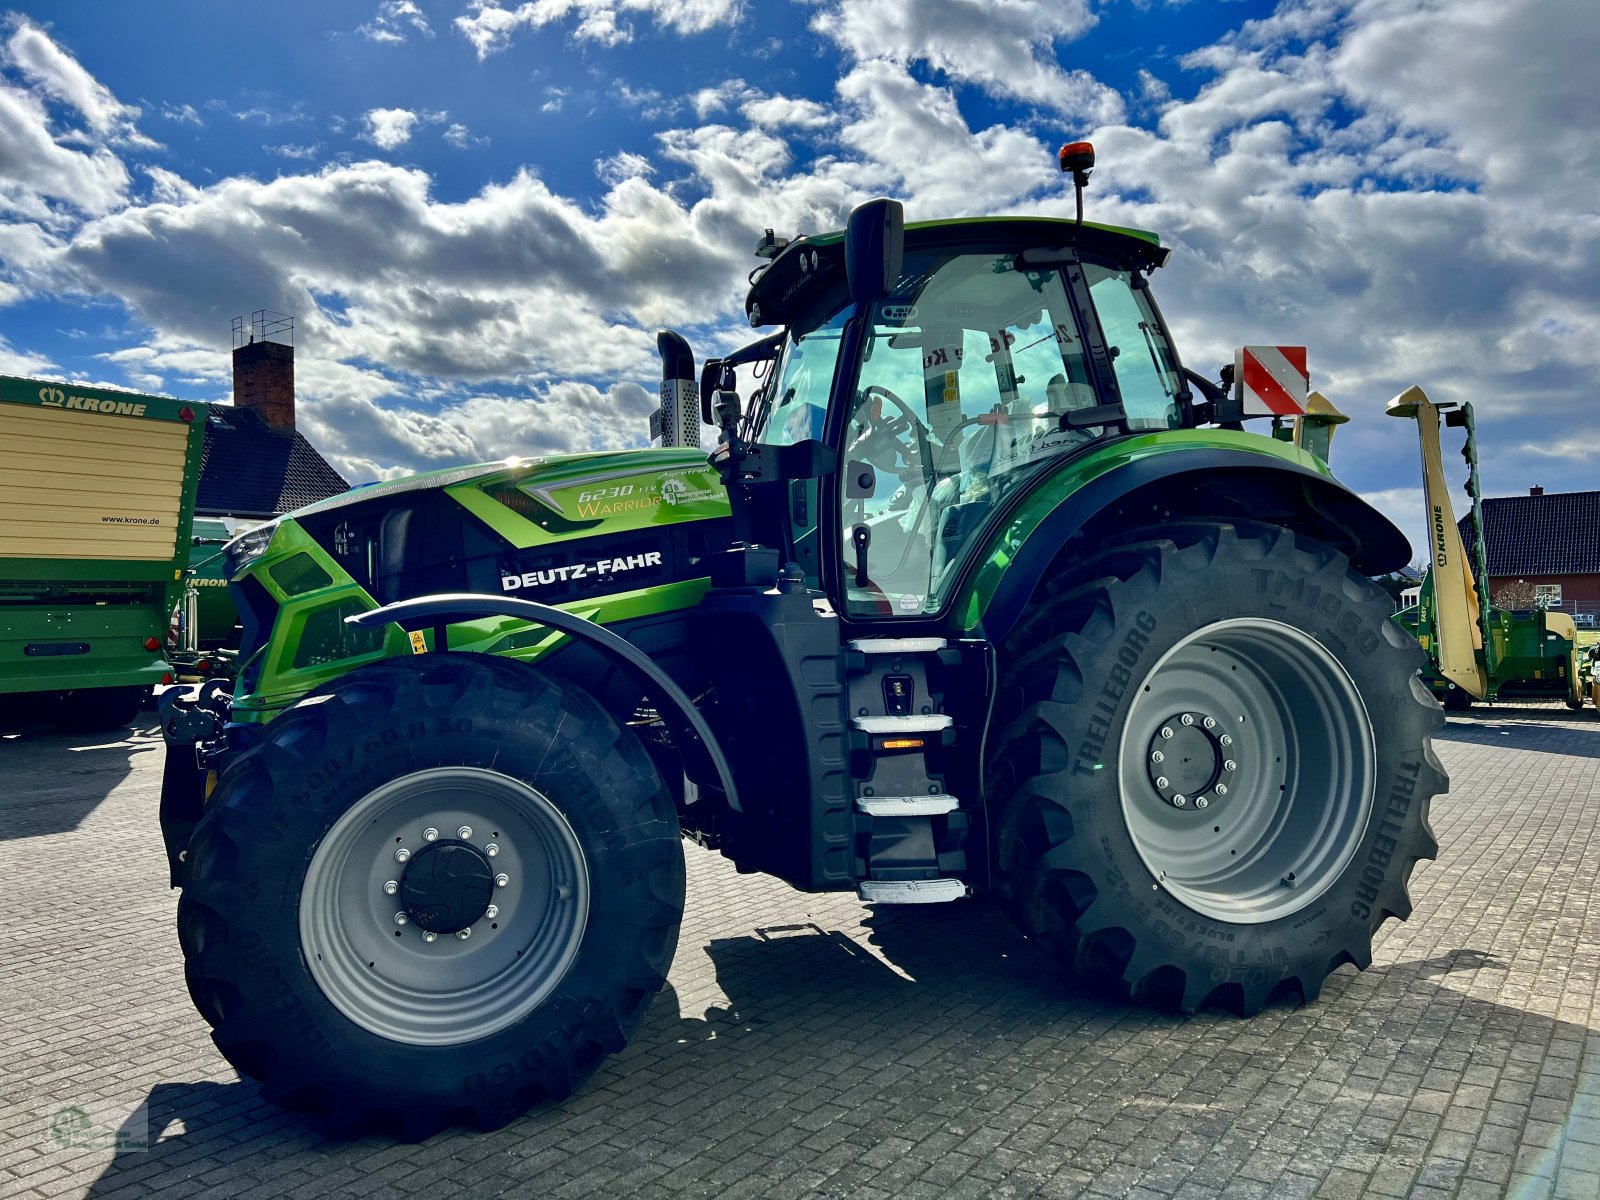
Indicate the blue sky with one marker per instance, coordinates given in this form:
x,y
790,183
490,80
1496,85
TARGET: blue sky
x,y
479,212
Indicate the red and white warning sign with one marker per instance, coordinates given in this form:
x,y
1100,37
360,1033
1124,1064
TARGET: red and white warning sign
x,y
1271,380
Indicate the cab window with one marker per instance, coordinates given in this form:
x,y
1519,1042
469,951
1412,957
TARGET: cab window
x,y
967,375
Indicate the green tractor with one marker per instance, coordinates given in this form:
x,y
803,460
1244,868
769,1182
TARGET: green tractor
x,y
968,600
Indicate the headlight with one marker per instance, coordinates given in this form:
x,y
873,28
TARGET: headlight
x,y
248,547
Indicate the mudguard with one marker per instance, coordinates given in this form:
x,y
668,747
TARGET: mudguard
x,y
1200,474
704,761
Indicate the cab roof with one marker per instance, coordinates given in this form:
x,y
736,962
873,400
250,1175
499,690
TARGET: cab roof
x,y
810,273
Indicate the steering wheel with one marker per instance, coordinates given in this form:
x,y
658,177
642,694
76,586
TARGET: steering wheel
x,y
918,454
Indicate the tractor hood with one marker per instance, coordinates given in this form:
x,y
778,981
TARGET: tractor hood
x,y
552,529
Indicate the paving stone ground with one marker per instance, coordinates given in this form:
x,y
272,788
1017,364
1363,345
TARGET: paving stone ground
x,y
809,1045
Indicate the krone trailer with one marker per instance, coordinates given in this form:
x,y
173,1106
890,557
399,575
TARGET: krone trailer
x,y
97,492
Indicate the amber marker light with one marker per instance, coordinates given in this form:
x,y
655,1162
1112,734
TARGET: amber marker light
x,y
902,744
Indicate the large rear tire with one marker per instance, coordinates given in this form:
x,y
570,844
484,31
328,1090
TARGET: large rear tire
x,y
1214,773
515,943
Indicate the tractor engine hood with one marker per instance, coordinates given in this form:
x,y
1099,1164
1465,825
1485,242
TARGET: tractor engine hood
x,y
553,529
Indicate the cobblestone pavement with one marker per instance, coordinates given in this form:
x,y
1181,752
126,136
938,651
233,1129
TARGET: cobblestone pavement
x,y
811,1046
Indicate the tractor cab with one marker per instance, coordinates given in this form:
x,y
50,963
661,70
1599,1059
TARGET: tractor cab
x,y
923,376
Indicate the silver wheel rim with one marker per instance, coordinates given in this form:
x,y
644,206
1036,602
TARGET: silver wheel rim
x,y
385,975
1293,808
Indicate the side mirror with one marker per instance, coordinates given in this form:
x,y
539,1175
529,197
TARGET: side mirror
x,y
874,249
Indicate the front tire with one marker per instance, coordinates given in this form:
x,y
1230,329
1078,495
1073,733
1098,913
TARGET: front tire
x,y
1215,770
456,983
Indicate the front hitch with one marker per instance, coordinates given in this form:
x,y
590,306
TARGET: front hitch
x,y
193,720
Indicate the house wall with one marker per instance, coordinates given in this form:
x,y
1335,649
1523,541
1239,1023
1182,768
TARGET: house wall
x,y
1576,590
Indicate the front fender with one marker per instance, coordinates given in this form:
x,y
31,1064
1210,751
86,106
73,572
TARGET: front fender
x,y
1143,482
703,757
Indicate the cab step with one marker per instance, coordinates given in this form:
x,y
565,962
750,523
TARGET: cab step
x,y
912,723
909,645
912,891
907,806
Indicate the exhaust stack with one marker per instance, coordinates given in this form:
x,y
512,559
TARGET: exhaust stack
x,y
677,421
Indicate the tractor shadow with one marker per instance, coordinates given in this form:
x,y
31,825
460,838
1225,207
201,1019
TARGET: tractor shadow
x,y
51,781
1520,728
927,1023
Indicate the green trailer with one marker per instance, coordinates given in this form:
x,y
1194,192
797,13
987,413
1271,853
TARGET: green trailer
x,y
97,492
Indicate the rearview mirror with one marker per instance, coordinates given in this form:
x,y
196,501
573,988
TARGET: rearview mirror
x,y
874,249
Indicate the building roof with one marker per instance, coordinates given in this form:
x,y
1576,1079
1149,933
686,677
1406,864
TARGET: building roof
x,y
1553,534
251,469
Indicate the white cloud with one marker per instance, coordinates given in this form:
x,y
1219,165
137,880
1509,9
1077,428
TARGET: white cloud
x,y
491,27
776,112
1006,47
31,52
47,170
459,136
295,151
387,128
393,21
21,362
622,166
183,114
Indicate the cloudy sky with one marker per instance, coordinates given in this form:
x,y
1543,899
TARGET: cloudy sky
x,y
479,212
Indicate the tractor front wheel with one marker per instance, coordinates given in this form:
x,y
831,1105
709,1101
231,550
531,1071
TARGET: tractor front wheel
x,y
439,891
1215,770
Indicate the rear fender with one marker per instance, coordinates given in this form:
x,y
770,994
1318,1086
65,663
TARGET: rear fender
x,y
1218,483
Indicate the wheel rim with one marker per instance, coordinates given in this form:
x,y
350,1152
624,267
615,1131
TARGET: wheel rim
x,y
1265,837
388,975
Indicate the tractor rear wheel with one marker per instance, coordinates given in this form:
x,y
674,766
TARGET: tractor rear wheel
x,y
1215,770
440,890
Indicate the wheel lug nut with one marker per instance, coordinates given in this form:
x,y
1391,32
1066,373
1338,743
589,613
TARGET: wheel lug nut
x,y
1187,718
492,911
1166,731
1180,800
464,832
1222,789
400,918
1161,781
502,879
1156,756
390,888
430,834
402,854
1230,765
430,936
1226,739
1201,802
1209,722
492,849
464,934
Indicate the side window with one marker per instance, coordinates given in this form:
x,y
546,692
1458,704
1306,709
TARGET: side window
x,y
1140,356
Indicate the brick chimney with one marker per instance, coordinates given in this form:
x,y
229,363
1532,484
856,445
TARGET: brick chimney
x,y
1536,490
263,366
